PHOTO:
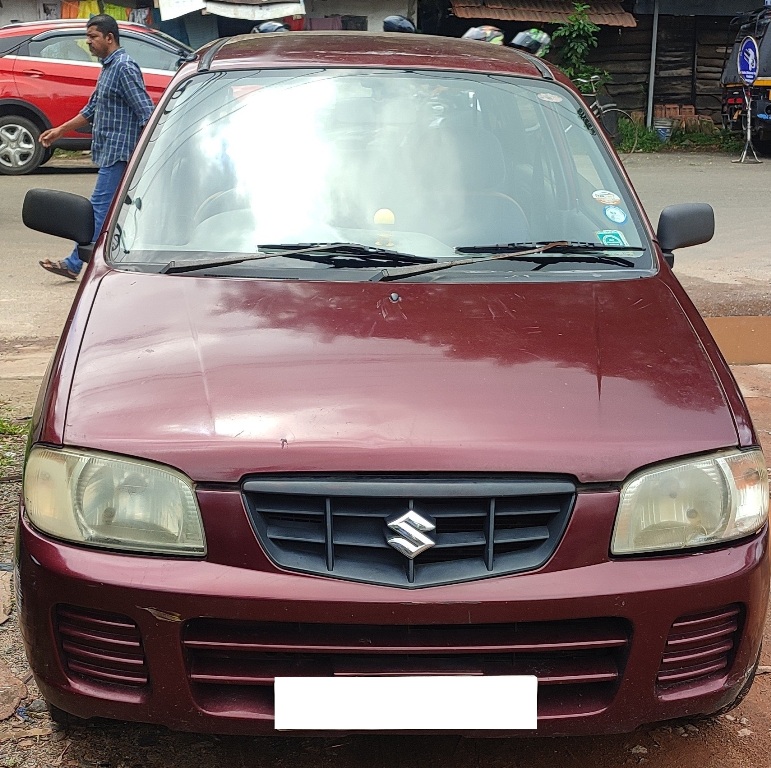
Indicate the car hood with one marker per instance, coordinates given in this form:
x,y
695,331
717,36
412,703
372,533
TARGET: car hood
x,y
223,377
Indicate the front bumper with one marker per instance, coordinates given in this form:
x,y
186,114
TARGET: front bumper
x,y
195,645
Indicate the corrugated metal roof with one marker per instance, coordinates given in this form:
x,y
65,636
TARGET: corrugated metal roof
x,y
609,14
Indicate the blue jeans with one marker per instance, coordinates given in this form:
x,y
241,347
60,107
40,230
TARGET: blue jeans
x,y
107,181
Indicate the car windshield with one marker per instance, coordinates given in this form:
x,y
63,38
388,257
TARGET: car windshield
x,y
424,164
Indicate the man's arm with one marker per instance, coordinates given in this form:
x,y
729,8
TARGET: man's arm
x,y
135,93
81,120
52,134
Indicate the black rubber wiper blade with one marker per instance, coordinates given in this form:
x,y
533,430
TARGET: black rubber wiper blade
x,y
327,252
546,253
323,253
586,258
564,247
178,267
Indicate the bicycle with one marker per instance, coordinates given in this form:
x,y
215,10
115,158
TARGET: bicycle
x,y
608,113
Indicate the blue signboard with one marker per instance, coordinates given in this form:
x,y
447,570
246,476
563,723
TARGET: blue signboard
x,y
748,60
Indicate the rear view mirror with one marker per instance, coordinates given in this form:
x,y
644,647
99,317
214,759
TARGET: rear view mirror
x,y
683,225
61,214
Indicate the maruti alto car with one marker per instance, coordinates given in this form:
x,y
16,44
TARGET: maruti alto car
x,y
380,408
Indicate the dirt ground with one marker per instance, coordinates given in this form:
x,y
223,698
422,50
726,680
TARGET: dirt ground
x,y
29,739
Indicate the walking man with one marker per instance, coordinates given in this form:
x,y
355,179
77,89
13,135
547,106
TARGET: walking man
x,y
118,110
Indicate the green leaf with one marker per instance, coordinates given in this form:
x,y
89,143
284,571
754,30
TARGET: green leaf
x,y
579,36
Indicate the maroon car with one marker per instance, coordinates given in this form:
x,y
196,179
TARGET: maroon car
x,y
380,408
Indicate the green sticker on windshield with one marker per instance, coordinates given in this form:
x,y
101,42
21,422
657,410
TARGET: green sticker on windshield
x,y
611,237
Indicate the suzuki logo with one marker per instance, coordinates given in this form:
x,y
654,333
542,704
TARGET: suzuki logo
x,y
410,528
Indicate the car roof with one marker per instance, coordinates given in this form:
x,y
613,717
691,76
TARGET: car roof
x,y
367,49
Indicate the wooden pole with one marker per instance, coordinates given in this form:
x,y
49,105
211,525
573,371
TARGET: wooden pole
x,y
652,72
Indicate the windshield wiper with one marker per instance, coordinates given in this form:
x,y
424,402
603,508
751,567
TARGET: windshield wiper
x,y
542,253
564,246
354,254
361,253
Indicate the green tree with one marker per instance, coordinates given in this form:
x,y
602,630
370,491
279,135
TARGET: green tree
x,y
578,36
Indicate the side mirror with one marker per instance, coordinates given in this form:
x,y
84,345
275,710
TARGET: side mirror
x,y
683,225
61,214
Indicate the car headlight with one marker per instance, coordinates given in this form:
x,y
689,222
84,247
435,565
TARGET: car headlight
x,y
692,503
113,502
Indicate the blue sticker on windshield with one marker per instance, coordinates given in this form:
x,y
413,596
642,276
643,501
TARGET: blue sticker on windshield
x,y
611,237
615,214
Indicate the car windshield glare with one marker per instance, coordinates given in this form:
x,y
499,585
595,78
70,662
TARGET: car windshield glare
x,y
422,163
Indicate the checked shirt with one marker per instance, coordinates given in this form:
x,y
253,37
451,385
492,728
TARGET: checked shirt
x,y
118,109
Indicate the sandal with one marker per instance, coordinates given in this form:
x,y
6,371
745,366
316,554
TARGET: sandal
x,y
58,268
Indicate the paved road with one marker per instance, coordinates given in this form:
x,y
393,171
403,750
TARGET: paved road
x,y
33,303
738,193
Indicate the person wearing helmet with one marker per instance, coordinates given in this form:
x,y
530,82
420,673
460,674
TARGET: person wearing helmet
x,y
270,26
398,24
534,41
485,33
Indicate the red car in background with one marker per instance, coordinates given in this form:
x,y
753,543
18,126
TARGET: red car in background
x,y
47,74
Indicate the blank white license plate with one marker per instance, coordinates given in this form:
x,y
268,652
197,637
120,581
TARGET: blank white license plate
x,y
406,703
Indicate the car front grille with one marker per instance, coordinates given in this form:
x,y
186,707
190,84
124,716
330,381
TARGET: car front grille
x,y
471,527
699,646
101,647
232,665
